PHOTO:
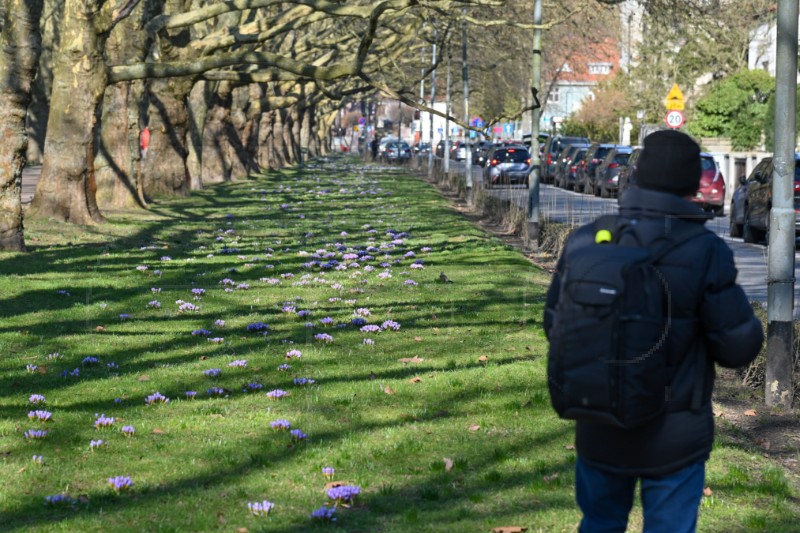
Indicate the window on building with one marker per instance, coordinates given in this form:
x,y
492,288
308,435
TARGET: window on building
x,y
553,96
599,68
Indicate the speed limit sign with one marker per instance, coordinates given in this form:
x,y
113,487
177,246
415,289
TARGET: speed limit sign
x,y
674,119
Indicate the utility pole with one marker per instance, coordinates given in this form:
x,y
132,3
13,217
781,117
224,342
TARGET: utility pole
x,y
446,153
780,275
433,99
465,79
533,185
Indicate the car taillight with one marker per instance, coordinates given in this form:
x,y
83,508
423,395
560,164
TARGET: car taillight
x,y
528,160
573,168
613,165
494,162
796,187
549,159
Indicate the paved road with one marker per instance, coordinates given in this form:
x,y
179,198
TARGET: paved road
x,y
30,175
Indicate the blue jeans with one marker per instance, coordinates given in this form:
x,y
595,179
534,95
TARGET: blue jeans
x,y
670,503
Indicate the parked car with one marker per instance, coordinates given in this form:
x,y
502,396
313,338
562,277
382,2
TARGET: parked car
x,y
750,214
422,148
587,175
552,149
439,149
569,176
507,166
397,152
458,150
711,195
627,173
608,171
564,161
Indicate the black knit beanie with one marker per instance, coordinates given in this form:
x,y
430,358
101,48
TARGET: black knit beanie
x,y
670,162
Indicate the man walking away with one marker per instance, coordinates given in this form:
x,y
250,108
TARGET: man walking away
x,y
709,321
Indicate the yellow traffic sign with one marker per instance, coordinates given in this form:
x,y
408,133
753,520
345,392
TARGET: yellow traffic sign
x,y
674,100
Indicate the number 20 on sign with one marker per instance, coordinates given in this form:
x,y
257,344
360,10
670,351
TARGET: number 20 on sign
x,y
674,119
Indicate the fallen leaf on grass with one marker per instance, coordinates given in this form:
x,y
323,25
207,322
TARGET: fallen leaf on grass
x,y
144,377
569,447
42,369
707,491
550,477
750,412
764,443
509,529
84,499
100,328
203,357
474,427
242,530
414,359
415,379
21,470
221,520
448,464
418,339
372,375
483,359
388,390
158,431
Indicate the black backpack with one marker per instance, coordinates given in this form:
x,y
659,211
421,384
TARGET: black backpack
x,y
608,355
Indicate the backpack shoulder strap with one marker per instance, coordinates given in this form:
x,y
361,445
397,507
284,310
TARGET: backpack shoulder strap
x,y
674,236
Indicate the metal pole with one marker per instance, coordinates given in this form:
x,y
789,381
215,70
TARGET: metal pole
x,y
780,276
433,99
446,153
536,75
465,79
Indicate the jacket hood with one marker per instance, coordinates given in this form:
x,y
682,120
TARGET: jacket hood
x,y
637,202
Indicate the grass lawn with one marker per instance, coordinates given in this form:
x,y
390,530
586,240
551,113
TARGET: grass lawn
x,y
309,298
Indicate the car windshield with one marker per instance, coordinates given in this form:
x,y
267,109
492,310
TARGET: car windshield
x,y
621,159
512,155
404,146
708,163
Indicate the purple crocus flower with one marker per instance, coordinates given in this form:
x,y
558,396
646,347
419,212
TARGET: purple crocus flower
x,y
198,293
276,394
260,508
239,363
32,368
219,323
128,431
257,326
93,445
217,340
294,354
125,316
156,397
390,324
324,514
328,472
104,422
369,342
323,337
304,381
215,391
154,304
370,328
58,499
252,387
120,483
201,332
344,493
191,394
298,435
212,372
327,321
36,399
280,423
284,367
89,361
40,415
38,459
35,434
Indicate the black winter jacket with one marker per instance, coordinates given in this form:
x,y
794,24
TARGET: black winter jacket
x,y
712,321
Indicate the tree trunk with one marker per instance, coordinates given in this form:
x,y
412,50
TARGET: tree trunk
x,y
66,189
165,168
19,55
216,167
199,101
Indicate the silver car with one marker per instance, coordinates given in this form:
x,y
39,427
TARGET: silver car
x,y
507,166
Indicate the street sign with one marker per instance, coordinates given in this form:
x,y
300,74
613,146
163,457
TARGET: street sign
x,y
674,100
508,128
674,119
362,121
477,122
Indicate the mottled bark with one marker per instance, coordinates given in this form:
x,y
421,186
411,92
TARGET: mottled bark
x,y
199,101
19,54
164,170
216,168
66,189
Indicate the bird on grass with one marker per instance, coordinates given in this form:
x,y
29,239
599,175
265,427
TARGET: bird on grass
x,y
444,279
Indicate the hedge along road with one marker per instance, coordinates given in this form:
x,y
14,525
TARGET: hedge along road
x,y
574,208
